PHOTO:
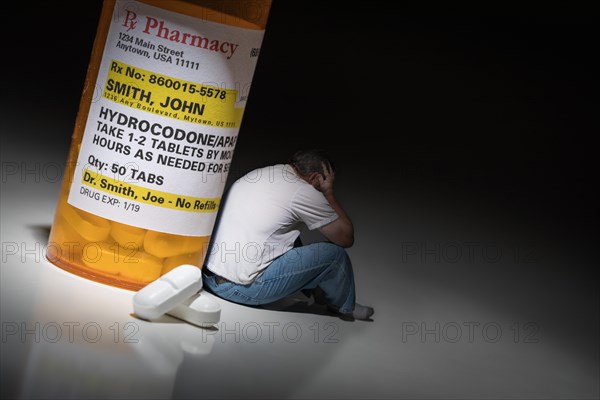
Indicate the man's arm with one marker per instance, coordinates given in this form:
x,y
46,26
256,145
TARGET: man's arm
x,y
340,231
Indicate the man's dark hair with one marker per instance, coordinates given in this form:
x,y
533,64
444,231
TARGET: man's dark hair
x,y
309,161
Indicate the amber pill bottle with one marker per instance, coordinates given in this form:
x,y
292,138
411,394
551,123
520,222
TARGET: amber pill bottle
x,y
158,120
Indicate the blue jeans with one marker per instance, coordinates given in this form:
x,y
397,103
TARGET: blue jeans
x,y
323,264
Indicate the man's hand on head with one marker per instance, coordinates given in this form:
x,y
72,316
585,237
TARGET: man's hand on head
x,y
324,182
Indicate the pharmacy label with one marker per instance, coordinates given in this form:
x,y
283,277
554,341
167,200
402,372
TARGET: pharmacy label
x,y
161,132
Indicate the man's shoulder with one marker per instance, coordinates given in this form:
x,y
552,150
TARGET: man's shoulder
x,y
272,174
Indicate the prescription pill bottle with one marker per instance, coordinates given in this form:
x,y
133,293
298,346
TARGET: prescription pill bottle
x,y
158,121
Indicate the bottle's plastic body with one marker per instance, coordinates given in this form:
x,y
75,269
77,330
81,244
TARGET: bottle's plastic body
x,y
157,125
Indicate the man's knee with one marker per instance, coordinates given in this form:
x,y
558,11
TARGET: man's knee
x,y
333,251
316,253
331,247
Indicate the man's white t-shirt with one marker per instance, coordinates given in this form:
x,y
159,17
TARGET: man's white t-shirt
x,y
261,218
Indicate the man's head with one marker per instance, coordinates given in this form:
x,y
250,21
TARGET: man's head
x,y
309,163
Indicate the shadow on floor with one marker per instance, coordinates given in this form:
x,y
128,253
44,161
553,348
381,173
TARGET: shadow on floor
x,y
41,232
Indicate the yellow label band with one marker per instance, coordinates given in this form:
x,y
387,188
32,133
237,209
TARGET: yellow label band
x,y
171,97
148,196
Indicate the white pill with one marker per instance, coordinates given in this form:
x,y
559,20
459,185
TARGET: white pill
x,y
199,310
163,294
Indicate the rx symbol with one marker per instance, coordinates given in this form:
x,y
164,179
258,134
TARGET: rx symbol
x,y
130,20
